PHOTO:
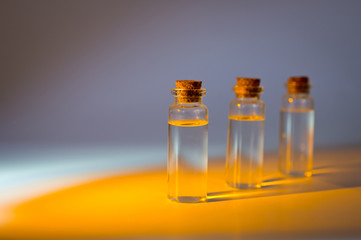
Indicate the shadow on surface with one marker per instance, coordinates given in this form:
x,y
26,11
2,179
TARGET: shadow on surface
x,y
334,170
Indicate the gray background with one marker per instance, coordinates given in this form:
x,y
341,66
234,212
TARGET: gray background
x,y
100,72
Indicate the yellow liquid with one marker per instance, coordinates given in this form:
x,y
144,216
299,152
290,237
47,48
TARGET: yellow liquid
x,y
188,123
187,160
245,151
246,118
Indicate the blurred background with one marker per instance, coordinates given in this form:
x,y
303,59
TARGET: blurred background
x,y
100,72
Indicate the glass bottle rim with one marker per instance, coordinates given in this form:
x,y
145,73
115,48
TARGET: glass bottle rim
x,y
298,88
185,93
247,91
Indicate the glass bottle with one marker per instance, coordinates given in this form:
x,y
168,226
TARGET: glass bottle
x,y
296,128
187,143
244,159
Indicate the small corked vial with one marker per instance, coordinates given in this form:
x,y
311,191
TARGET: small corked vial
x,y
248,87
244,159
297,118
187,143
298,84
188,91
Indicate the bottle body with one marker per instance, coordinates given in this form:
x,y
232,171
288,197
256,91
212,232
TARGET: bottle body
x,y
296,134
245,143
187,151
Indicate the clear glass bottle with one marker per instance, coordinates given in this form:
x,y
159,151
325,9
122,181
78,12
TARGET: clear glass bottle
x,y
244,160
187,143
296,128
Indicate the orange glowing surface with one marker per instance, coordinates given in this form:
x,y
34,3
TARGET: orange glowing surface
x,y
328,204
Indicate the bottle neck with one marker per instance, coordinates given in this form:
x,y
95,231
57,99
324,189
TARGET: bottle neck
x,y
298,87
188,100
188,96
248,91
248,98
298,94
298,91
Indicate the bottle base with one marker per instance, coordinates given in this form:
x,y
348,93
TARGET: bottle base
x,y
297,174
244,185
188,199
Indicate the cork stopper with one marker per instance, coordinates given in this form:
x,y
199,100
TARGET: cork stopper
x,y
298,84
248,82
188,91
248,87
188,84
